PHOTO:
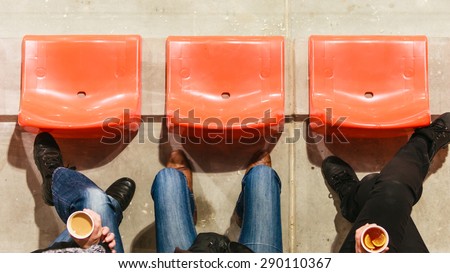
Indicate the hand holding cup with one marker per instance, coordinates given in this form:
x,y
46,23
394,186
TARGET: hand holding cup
x,y
80,224
371,238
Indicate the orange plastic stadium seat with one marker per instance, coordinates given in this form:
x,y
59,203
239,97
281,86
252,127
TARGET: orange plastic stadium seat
x,y
81,86
225,85
368,86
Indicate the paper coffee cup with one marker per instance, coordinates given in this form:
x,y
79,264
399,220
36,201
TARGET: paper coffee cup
x,y
80,225
374,239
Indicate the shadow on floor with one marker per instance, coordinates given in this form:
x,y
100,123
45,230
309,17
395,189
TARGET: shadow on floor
x,y
145,241
215,155
363,154
20,156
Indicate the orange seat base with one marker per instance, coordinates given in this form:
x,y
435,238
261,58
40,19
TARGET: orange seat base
x,y
78,85
111,131
224,83
376,85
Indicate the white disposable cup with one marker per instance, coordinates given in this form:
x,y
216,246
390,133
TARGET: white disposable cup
x,y
370,229
80,225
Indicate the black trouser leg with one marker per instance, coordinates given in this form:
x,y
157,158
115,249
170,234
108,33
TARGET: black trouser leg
x,y
387,199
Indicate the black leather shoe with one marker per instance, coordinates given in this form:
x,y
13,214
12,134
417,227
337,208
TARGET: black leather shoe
x,y
339,176
123,191
47,157
438,133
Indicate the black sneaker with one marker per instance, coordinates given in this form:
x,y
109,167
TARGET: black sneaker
x,y
123,191
47,157
343,180
339,175
438,133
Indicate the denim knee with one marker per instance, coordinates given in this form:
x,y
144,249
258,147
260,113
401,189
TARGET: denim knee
x,y
264,175
60,174
168,179
96,197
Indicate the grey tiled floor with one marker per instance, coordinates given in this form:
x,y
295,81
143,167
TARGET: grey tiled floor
x,y
311,222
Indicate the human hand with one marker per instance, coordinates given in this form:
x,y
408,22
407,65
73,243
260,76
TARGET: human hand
x,y
109,238
358,233
99,235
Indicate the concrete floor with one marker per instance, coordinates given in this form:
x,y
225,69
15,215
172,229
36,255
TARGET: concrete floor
x,y
311,222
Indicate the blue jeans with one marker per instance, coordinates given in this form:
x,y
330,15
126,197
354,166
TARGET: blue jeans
x,y
258,205
73,191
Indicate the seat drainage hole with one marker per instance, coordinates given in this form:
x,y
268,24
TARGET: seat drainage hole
x,y
368,95
226,95
81,94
